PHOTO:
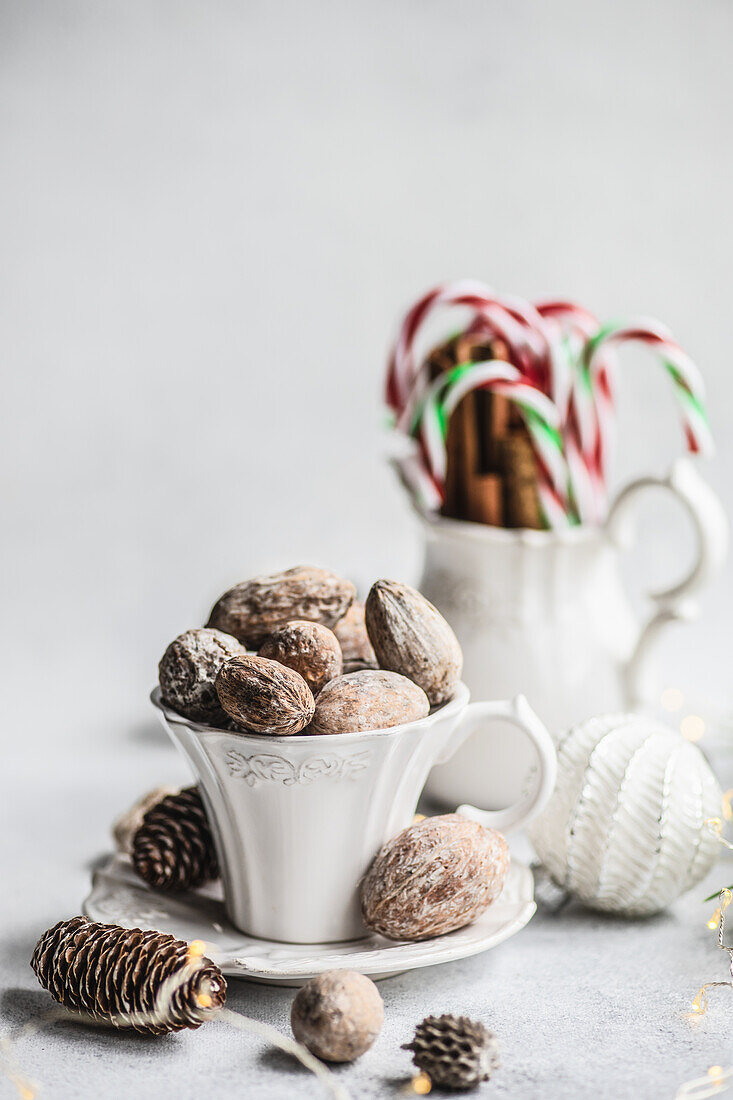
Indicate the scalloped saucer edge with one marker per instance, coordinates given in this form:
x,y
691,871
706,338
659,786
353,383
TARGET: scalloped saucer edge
x,y
118,896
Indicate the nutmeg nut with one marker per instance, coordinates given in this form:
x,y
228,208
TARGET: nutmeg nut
x,y
411,637
264,696
256,608
309,648
188,669
337,1015
435,876
352,635
368,700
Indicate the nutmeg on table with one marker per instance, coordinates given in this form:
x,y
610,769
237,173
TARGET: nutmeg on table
x,y
326,664
337,1015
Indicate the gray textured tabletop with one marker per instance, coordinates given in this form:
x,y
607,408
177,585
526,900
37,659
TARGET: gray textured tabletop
x,y
583,1005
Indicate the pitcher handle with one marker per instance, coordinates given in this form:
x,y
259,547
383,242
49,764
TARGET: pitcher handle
x,y
677,603
535,798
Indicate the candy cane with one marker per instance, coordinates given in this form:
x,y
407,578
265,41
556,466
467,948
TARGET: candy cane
x,y
688,385
588,489
418,482
528,346
401,369
517,321
553,512
589,407
573,315
541,417
571,326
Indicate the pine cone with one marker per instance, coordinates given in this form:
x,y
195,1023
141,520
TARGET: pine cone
x,y
120,976
455,1052
173,849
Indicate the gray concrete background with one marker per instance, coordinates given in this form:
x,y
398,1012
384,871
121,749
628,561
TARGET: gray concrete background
x,y
211,216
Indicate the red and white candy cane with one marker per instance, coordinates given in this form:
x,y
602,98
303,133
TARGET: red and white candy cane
x,y
568,325
401,369
587,405
513,319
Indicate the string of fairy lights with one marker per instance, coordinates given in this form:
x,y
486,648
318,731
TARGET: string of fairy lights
x,y
717,1079
693,727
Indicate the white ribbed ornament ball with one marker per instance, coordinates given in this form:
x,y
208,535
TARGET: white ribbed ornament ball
x,y
625,829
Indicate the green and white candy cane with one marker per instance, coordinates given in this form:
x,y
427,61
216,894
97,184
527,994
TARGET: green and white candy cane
x,y
540,414
688,385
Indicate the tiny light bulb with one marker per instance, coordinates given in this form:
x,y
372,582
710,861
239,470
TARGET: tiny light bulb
x,y
422,1084
672,699
716,1071
196,949
204,999
692,727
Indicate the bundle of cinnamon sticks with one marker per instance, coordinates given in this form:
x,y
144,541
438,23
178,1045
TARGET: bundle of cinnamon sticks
x,y
491,472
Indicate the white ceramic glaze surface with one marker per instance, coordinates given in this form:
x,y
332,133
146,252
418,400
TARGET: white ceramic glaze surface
x,y
625,829
546,613
118,896
298,820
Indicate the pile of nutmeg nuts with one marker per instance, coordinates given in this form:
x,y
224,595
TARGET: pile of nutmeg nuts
x,y
295,652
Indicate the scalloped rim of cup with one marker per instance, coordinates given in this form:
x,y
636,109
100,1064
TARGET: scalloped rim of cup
x,y
453,707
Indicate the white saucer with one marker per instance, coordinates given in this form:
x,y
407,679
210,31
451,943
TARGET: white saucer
x,y
119,897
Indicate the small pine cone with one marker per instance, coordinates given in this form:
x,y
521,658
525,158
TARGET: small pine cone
x,y
455,1052
120,976
173,849
125,827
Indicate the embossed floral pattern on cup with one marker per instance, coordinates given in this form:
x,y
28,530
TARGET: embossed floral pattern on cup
x,y
268,767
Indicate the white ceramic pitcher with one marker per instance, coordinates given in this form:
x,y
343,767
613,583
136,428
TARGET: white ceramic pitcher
x,y
546,613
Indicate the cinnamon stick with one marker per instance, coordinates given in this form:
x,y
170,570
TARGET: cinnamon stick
x,y
521,500
485,499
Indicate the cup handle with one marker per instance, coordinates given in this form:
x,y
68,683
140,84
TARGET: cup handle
x,y
519,713
677,603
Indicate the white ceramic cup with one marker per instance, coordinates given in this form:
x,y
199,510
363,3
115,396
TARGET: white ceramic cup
x,y
298,820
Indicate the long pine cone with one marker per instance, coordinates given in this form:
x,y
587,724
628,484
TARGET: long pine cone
x,y
454,1051
173,849
119,976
